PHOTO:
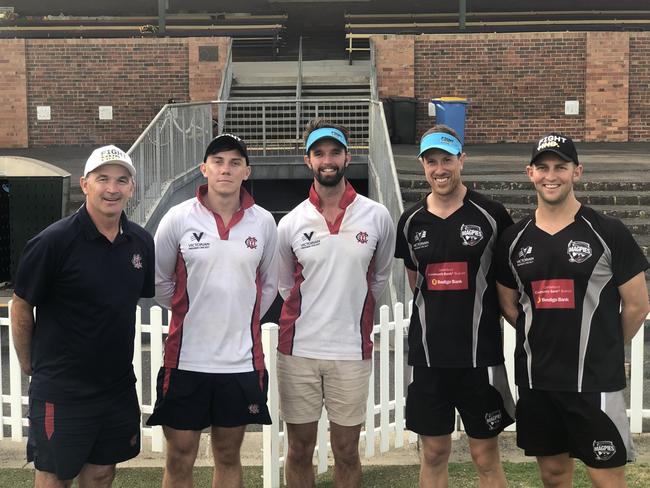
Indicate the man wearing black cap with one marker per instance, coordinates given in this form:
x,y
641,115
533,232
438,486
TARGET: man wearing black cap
x,y
216,271
572,282
84,275
447,242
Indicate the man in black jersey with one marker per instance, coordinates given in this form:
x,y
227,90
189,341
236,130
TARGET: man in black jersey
x,y
572,282
447,241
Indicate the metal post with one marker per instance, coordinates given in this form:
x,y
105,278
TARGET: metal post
x,y
462,12
162,8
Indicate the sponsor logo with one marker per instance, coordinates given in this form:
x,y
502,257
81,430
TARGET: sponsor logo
x,y
112,155
578,251
362,238
136,261
604,450
307,237
447,276
419,241
553,294
251,242
196,237
550,142
195,241
493,419
307,242
471,234
525,256
253,409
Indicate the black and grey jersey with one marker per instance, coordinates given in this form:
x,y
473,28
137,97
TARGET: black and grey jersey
x,y
455,320
569,333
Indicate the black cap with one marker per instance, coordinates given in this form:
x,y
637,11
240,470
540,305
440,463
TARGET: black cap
x,y
556,143
226,141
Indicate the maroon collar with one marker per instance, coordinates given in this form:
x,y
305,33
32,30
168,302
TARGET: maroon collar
x,y
245,201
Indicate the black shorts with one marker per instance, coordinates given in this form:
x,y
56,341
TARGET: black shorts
x,y
65,436
189,400
592,427
481,395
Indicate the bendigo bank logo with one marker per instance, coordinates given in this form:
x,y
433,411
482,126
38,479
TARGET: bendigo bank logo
x,y
578,251
471,234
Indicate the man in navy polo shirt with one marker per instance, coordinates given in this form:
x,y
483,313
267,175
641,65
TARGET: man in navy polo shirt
x,y
84,275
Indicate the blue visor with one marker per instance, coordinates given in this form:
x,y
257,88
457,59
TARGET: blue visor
x,y
325,132
440,140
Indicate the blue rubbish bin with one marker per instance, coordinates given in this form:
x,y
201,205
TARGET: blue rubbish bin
x,y
451,111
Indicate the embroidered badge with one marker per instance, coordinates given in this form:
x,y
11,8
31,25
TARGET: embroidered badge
x,y
251,243
362,237
136,261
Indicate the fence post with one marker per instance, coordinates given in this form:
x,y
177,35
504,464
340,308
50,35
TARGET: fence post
x,y
384,374
271,433
155,318
370,411
15,388
509,340
636,382
137,357
398,317
323,425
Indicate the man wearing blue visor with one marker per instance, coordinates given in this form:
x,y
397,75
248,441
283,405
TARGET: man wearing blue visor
x,y
447,241
335,252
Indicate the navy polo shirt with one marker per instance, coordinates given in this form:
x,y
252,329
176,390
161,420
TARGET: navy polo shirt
x,y
85,290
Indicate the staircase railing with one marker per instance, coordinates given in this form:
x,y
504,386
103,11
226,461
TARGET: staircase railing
x,y
383,187
374,91
224,90
299,89
170,146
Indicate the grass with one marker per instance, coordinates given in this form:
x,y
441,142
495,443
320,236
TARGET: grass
x,y
461,475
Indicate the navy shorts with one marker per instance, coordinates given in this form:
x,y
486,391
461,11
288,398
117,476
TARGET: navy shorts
x,y
481,396
190,400
592,427
65,436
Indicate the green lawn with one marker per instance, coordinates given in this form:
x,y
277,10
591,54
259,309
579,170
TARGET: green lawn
x,y
520,475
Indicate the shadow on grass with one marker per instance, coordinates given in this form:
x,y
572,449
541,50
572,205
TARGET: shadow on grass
x,y
461,475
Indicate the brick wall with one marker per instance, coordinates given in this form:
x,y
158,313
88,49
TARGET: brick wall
x,y
395,65
639,91
13,94
516,83
134,76
607,86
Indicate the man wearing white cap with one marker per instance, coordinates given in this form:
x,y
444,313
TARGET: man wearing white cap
x,y
84,275
447,241
335,251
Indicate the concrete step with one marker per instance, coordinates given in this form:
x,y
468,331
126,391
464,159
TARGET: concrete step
x,y
619,212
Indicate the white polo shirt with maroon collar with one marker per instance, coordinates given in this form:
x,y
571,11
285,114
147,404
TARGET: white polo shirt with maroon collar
x,y
330,276
218,281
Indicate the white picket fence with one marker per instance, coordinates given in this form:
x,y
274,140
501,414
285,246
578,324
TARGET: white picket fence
x,y
388,336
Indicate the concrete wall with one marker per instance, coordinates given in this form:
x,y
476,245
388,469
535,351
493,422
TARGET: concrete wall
x,y
75,76
517,83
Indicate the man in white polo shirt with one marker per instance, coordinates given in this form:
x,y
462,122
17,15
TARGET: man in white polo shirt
x,y
335,253
216,271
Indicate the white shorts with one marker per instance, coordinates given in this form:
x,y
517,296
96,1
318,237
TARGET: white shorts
x,y
305,384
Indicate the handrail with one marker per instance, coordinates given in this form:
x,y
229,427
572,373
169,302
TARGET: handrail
x,y
224,91
374,91
299,89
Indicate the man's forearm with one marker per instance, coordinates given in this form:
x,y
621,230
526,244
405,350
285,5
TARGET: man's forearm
x,y
632,319
22,328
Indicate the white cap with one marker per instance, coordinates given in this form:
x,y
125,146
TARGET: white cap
x,y
108,155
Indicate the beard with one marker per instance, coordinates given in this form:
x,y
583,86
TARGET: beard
x,y
330,179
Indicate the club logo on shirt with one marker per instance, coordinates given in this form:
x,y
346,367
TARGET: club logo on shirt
x,y
251,242
254,409
471,234
604,450
493,419
578,251
136,261
525,256
362,238
419,241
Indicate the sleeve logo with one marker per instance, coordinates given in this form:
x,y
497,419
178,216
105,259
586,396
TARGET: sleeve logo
x,y
578,251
